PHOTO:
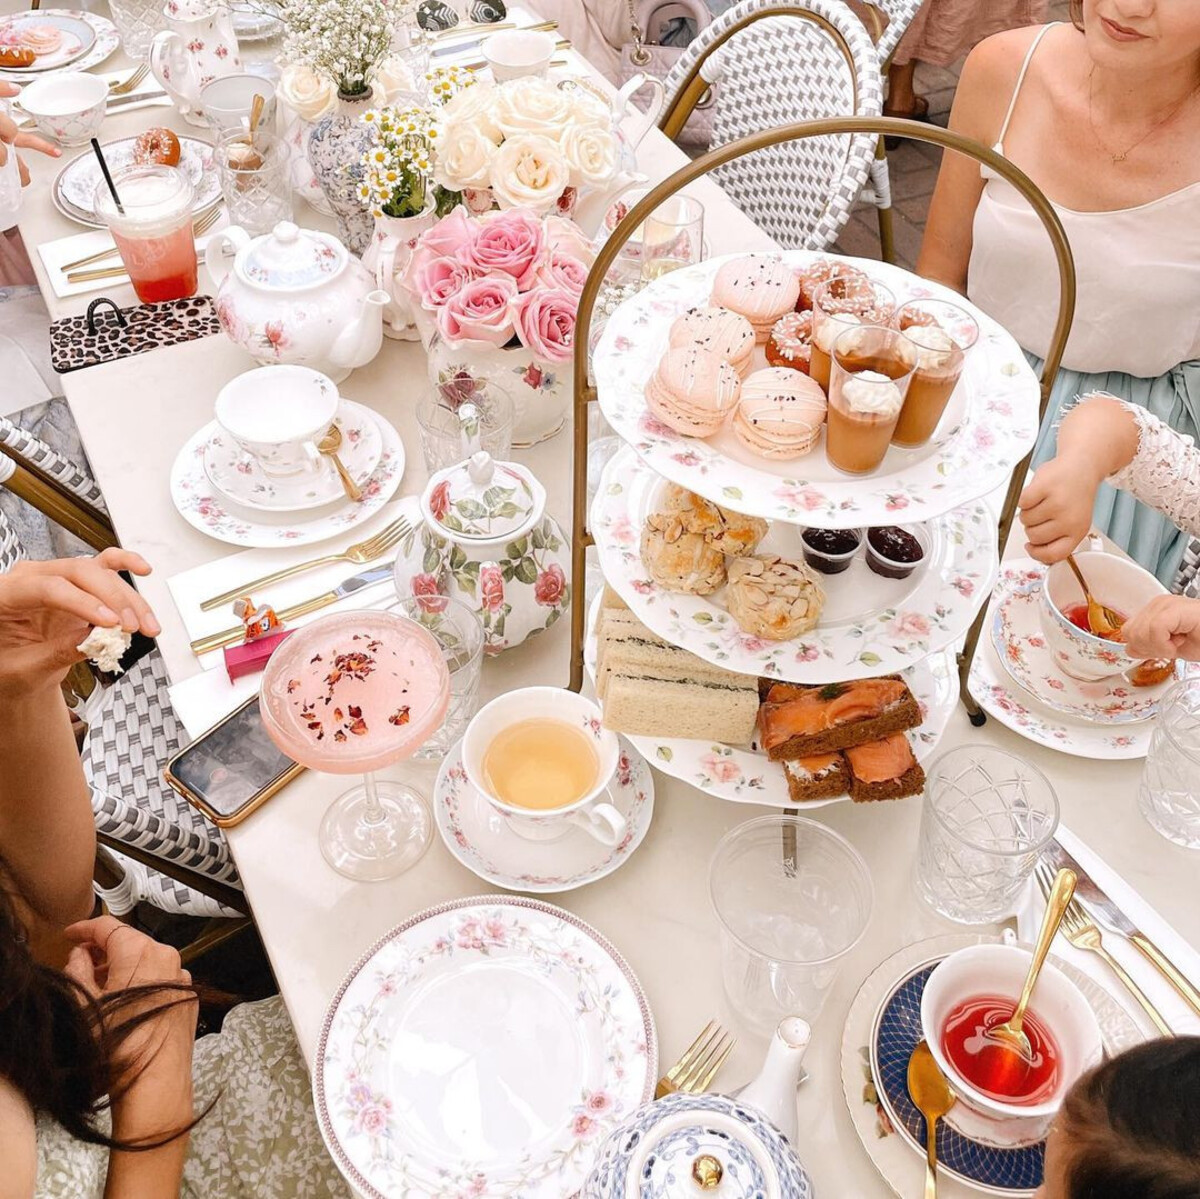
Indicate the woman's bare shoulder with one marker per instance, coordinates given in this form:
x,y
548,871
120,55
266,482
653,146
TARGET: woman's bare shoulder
x,y
18,1144
988,79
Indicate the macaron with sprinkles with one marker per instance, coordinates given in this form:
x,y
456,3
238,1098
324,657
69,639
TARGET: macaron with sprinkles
x,y
780,413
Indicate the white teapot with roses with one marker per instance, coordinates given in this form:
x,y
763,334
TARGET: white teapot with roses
x,y
486,539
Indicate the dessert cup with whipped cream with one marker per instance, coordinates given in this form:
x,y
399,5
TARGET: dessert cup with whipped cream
x,y
841,304
941,333
872,368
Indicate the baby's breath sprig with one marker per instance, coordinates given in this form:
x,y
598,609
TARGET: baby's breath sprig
x,y
399,163
344,40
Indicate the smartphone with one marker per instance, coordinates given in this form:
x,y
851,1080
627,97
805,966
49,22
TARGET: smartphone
x,y
233,769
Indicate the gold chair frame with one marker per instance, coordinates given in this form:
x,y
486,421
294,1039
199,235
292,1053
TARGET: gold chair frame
x,y
585,392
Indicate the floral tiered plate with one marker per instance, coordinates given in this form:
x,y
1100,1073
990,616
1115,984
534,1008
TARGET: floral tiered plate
x,y
74,189
239,477
989,426
1021,648
99,42
484,1047
870,625
744,774
882,1030
207,509
479,837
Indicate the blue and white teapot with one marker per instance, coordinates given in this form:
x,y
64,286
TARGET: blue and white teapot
x,y
722,1147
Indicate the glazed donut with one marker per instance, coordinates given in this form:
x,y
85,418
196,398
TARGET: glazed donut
x,y
41,39
157,146
790,343
821,271
850,291
17,56
910,317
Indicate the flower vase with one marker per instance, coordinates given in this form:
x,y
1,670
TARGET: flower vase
x,y
387,258
541,391
336,145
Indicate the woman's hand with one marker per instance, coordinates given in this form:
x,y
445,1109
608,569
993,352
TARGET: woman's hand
x,y
46,609
1056,508
1167,627
11,136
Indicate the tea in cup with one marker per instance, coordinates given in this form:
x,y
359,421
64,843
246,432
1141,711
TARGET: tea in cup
x,y
276,414
541,758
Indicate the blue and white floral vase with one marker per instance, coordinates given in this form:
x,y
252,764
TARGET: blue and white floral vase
x,y
336,145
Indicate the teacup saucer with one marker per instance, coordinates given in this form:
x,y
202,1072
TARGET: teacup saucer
x,y
481,840
1021,647
239,477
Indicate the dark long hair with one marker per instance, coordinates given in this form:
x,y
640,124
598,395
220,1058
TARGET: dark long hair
x,y
1132,1125
59,1047
1077,13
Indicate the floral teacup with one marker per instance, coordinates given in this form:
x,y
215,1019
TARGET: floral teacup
x,y
69,108
598,818
1117,583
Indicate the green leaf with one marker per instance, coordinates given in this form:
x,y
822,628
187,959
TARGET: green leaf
x,y
452,522
432,561
497,495
665,752
867,658
702,617
526,571
470,509
615,489
472,568
539,539
516,549
458,557
733,493
555,613
507,571
508,509
467,583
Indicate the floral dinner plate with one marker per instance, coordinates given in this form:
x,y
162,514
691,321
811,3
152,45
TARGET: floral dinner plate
x,y
869,626
989,426
1021,647
483,1047
478,836
743,774
77,36
96,45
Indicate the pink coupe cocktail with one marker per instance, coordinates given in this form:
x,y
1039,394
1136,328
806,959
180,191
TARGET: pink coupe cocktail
x,y
355,693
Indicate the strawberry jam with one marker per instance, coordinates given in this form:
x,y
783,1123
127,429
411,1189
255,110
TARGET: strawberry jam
x,y
993,1068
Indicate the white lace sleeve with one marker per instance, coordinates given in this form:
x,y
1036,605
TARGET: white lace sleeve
x,y
1165,471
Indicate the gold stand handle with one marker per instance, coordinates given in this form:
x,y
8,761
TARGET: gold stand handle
x,y
1134,990
229,636
1168,970
278,576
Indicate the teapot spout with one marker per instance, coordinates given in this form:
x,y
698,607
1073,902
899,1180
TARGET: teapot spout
x,y
359,342
773,1092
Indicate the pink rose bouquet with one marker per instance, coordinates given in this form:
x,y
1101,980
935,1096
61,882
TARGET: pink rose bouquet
x,y
481,311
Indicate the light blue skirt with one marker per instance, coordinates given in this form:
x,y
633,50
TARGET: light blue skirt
x,y
1145,534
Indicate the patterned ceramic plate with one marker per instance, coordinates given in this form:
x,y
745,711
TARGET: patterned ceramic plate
x,y
238,476
484,1047
882,1029
988,428
102,42
74,189
206,509
482,841
743,774
252,25
78,37
870,625
1021,648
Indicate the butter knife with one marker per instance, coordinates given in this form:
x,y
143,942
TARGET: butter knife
x,y
1112,919
356,583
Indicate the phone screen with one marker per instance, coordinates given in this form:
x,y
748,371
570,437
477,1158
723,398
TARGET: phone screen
x,y
233,762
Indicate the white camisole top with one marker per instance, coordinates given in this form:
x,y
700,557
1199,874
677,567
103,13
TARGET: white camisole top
x,y
1138,271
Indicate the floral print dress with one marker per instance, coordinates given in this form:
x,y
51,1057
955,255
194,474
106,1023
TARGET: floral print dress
x,y
260,1141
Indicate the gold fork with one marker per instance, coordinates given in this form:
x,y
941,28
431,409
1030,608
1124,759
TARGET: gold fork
x,y
109,272
202,224
699,1064
359,554
1082,932
127,85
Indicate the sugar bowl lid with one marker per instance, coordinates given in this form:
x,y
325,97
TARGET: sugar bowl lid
x,y
483,500
697,1147
290,258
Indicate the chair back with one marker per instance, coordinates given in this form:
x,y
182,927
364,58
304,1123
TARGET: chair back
x,y
776,62
899,15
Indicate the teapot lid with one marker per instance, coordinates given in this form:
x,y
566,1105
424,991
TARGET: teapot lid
x,y
692,1146
289,258
481,499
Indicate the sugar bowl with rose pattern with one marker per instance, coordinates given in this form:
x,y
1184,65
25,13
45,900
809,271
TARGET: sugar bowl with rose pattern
x,y
486,539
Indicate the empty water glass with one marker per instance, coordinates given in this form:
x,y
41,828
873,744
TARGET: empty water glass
x,y
987,816
461,416
137,22
1169,795
793,898
459,631
255,181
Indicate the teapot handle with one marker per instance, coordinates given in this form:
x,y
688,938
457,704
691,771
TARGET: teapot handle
x,y
215,257
647,120
170,66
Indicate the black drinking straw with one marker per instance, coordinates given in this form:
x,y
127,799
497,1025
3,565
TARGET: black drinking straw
x,y
112,187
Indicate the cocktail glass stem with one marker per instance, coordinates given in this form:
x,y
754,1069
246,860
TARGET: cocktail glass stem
x,y
373,812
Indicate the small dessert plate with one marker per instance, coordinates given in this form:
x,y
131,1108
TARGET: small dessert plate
x,y
477,835
239,477
78,37
88,40
1020,645
869,626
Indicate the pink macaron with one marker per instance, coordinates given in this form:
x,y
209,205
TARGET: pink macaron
x,y
759,287
693,391
719,330
780,413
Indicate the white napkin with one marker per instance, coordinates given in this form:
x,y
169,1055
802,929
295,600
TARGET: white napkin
x,y
70,249
192,587
1175,1011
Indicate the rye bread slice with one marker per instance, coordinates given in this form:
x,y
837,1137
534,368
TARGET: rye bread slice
x,y
827,784
911,782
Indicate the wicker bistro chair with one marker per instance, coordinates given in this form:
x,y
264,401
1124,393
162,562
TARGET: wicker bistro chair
x,y
170,855
777,61
899,15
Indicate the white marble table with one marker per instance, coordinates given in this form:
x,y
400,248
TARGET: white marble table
x,y
135,414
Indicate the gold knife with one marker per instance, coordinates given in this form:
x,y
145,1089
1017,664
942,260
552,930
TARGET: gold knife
x,y
368,578
108,272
